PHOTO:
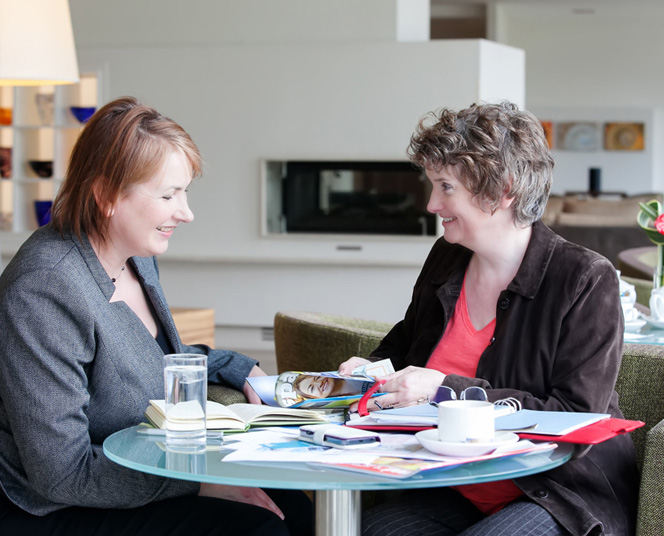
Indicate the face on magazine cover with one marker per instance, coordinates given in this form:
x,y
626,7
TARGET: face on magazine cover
x,y
314,386
321,387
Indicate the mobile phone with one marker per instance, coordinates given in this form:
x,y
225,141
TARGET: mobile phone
x,y
335,435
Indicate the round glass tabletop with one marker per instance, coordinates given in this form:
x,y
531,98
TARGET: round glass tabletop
x,y
148,454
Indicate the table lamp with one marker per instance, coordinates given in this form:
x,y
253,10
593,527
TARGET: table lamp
x,y
36,43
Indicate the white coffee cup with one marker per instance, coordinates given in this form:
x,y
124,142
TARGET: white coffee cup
x,y
657,303
465,421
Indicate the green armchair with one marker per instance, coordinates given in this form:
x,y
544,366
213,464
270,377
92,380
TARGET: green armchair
x,y
317,341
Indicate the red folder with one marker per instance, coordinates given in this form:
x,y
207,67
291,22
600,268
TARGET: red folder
x,y
389,427
588,435
591,434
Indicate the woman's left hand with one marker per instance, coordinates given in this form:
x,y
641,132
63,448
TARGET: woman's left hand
x,y
251,395
410,386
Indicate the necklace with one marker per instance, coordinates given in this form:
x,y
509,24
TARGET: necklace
x,y
114,279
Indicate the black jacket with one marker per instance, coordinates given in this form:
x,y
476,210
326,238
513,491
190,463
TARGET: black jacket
x,y
557,346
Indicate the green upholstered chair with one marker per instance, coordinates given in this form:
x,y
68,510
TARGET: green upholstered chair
x,y
640,387
314,342
225,395
317,342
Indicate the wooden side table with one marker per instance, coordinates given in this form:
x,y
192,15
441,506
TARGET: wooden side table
x,y
195,326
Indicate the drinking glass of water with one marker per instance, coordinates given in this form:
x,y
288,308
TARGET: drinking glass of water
x,y
185,383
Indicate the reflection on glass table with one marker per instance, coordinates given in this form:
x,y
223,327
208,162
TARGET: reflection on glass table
x,y
644,332
338,506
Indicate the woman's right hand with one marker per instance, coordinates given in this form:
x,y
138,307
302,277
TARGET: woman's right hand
x,y
255,496
347,367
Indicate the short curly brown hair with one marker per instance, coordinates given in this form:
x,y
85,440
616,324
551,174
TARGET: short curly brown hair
x,y
498,150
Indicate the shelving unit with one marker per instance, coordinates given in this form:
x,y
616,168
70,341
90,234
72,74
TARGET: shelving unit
x,y
42,128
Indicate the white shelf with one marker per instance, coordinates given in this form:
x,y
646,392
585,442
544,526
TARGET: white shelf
x,y
44,129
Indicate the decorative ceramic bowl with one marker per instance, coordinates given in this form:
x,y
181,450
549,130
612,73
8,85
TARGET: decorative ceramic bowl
x,y
43,168
43,212
5,162
6,116
83,113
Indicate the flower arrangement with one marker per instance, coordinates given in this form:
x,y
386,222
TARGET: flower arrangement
x,y
651,220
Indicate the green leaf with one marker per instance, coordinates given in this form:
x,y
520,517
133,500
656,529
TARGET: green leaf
x,y
651,212
646,220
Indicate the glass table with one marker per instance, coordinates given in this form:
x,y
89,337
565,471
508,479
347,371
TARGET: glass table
x,y
646,335
337,498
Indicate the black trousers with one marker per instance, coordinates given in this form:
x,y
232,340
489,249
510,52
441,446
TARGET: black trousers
x,y
186,516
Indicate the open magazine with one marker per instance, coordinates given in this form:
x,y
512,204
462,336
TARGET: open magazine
x,y
239,417
321,390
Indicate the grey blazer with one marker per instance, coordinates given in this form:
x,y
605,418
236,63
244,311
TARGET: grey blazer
x,y
75,368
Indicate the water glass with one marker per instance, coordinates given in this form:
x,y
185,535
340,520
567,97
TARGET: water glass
x,y
185,382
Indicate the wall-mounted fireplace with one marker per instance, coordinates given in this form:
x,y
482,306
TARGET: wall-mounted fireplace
x,y
347,197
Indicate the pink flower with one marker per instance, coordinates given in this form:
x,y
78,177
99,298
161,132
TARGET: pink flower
x,y
659,224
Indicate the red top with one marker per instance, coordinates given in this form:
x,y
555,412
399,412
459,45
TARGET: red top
x,y
458,352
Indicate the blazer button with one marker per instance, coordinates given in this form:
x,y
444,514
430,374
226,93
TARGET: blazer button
x,y
504,303
542,493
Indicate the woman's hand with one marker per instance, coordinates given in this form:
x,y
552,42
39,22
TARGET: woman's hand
x,y
251,395
407,387
347,367
255,496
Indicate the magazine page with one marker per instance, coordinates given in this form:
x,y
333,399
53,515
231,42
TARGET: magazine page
x,y
319,389
219,417
264,387
266,415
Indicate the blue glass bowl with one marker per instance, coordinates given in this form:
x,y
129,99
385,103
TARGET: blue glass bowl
x,y
83,113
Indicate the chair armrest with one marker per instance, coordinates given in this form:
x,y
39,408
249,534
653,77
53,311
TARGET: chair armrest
x,y
225,395
650,521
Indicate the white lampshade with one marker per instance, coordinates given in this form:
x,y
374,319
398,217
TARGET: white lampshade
x,y
36,43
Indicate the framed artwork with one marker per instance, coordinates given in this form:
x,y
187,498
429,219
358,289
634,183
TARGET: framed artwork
x,y
577,136
548,132
624,136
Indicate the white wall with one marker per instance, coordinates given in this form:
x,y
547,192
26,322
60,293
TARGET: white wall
x,y
129,23
606,63
246,103
293,79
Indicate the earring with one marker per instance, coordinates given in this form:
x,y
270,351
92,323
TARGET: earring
x,y
110,212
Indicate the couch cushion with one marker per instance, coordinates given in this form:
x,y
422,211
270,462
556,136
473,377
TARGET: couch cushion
x,y
619,219
553,207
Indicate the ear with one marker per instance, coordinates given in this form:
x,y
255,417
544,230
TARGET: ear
x,y
105,207
506,200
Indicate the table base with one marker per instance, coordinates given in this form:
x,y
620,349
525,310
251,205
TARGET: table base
x,y
338,512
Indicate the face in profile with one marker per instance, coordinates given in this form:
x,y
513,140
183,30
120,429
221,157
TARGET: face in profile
x,y
315,386
147,215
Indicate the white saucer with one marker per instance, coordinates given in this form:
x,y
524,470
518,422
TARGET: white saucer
x,y
634,325
429,440
653,322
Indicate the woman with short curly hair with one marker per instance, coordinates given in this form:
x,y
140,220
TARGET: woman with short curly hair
x,y
505,304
